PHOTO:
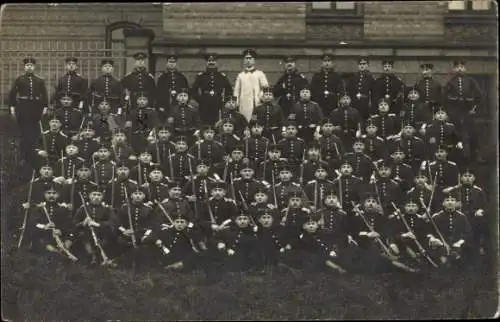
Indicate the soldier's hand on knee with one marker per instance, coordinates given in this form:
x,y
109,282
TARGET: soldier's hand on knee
x,y
26,205
479,213
50,225
57,232
394,248
333,254
42,153
460,145
373,234
158,243
221,245
230,252
128,124
282,249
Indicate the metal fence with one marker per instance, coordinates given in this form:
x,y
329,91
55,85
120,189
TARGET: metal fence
x,y
50,59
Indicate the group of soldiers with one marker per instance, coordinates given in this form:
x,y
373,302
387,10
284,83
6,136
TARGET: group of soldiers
x,y
357,174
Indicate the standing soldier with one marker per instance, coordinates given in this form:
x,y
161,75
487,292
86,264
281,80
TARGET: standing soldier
x,y
207,148
415,112
429,88
390,87
256,146
443,133
326,86
249,84
72,84
360,88
330,144
347,121
70,117
168,85
271,166
231,111
209,90
288,86
138,82
106,87
386,123
52,142
183,117
270,115
28,100
413,147
463,96
308,115
316,190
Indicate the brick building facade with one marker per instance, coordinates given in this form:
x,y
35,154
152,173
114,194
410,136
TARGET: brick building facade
x,y
411,32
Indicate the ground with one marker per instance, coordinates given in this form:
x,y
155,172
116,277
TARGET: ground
x,y
47,288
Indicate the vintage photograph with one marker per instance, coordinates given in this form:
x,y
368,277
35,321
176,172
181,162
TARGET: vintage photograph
x,y
329,160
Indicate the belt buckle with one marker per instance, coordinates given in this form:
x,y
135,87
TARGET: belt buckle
x,y
358,95
326,93
212,93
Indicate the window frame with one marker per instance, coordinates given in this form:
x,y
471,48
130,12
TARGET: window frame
x,y
334,15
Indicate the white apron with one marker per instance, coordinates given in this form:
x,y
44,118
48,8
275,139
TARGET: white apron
x,y
248,90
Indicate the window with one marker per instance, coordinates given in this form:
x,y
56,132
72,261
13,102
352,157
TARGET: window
x,y
333,5
469,5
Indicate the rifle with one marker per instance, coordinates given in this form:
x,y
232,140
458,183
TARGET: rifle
x,y
265,159
436,228
164,211
224,175
385,249
421,249
23,227
44,141
157,147
134,240
62,163
194,189
170,165
232,186
105,259
274,190
212,218
72,192
113,189
340,186
58,240
301,177
95,170
378,194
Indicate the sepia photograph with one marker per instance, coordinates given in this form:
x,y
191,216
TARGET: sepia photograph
x,y
267,161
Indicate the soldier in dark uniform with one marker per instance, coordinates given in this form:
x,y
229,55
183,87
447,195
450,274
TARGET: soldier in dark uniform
x,y
42,183
429,88
387,123
160,144
72,84
444,173
122,151
308,115
288,85
390,87
82,184
362,164
293,216
140,122
246,186
270,115
375,146
208,148
326,86
67,165
311,163
103,169
454,228
196,188
347,122
180,164
28,100
421,190
401,172
184,118
360,89
347,187
256,146
158,185
292,147
331,146
87,143
106,87
271,166
227,137
443,133
120,187
415,112
167,86
462,96
139,82
232,165
142,168
232,112
102,219
284,187
384,187
413,147
209,90
316,190
70,117
104,122
51,143
472,202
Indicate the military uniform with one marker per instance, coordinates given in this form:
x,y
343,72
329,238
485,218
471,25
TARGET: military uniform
x,y
387,124
325,88
167,86
141,173
256,149
72,83
416,113
210,150
222,211
293,151
115,191
141,220
388,191
317,189
402,173
71,120
41,184
85,187
53,142
270,167
270,115
186,119
414,149
270,238
288,87
244,242
156,190
347,188
139,82
360,87
446,172
283,189
293,218
230,167
390,87
161,150
347,120
239,121
430,90
106,87
209,90
103,172
199,185
248,188
442,134
87,147
104,126
453,226
123,153
181,163
420,192
375,146
28,97
143,120
229,141
309,167
308,115
67,165
362,164
331,149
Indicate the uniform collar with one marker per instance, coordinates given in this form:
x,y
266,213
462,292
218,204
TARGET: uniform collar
x,y
250,69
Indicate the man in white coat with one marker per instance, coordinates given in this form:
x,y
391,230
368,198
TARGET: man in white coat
x,y
249,84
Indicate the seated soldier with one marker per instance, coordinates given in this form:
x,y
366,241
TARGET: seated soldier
x,y
231,112
270,115
256,145
51,143
160,144
227,136
269,169
208,148
71,118
308,115
313,162
122,151
140,122
331,147
66,165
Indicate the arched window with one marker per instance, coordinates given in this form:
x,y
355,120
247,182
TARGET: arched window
x,y
115,44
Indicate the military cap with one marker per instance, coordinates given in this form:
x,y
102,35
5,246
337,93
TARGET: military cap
x,y
383,100
326,57
218,184
183,90
122,164
467,169
52,187
289,59
140,55
227,120
409,89
370,122
426,66
294,194
285,167
388,61
172,57
441,147
250,52
107,61
261,189
211,56
29,60
238,147
459,61
289,122
207,127
230,98
305,87
254,121
314,145
274,147
382,163
119,131
71,59
242,213
394,147
313,216
326,120
363,59
204,162
174,184
180,138
267,89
